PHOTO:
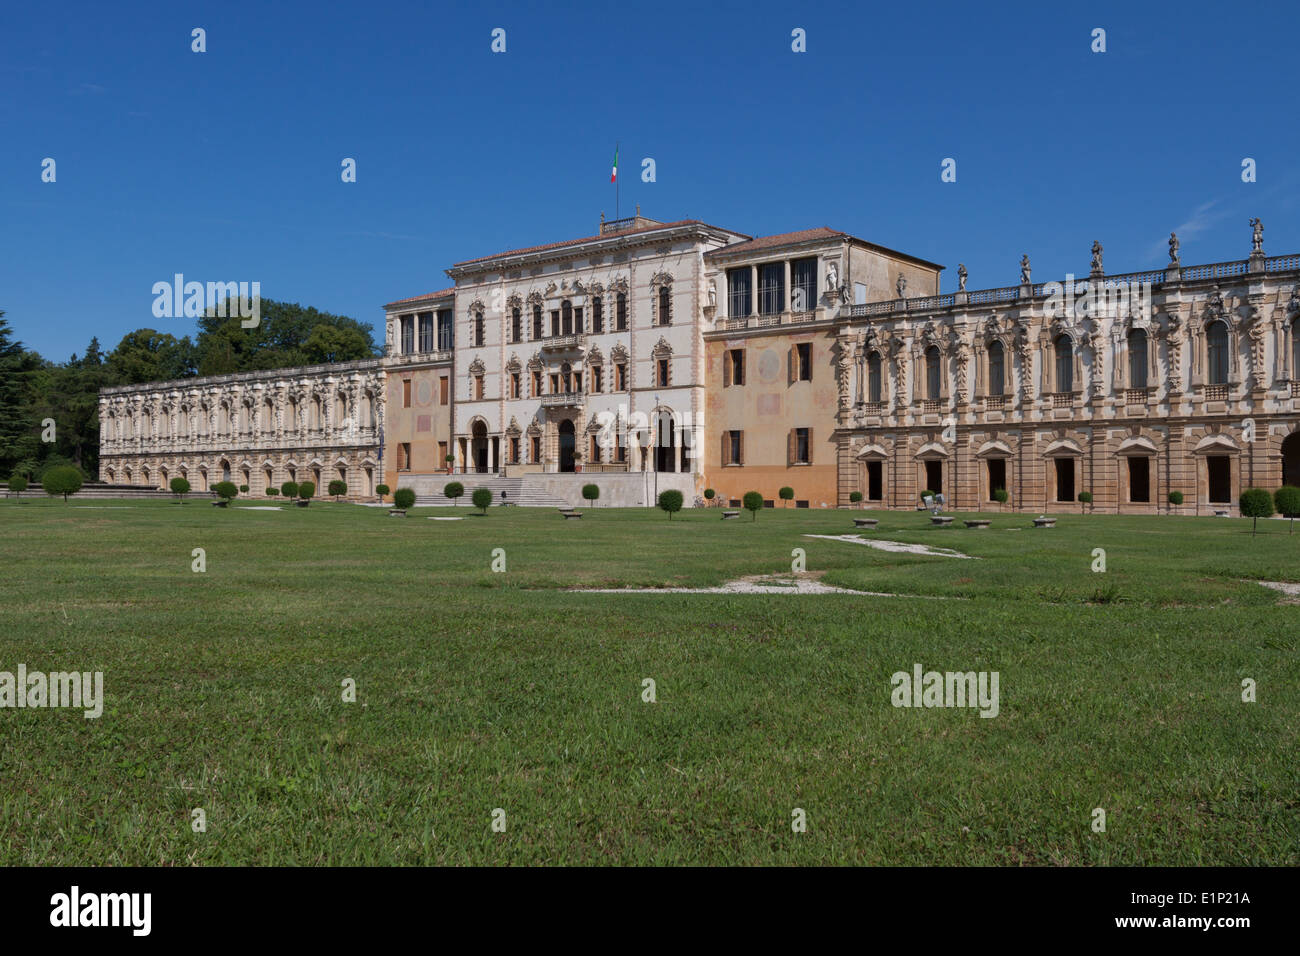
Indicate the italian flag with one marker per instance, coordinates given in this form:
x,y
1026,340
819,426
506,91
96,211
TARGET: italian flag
x,y
614,172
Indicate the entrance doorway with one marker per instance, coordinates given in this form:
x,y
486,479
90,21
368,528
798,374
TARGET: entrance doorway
x,y
997,475
1218,473
1291,458
478,447
934,476
1139,479
566,445
875,481
1064,479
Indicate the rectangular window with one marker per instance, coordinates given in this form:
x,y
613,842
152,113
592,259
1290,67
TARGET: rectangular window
x,y
480,330
597,315
478,386
408,334
442,390
555,321
620,312
445,330
1139,479
802,442
620,377
555,383
577,320
426,332
738,292
803,362
404,456
535,449
537,322
442,454
733,367
662,369
771,288
514,384
516,325
514,450
733,443
537,384
597,379
406,393
803,284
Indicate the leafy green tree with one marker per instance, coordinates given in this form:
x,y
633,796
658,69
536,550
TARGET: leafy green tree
x,y
280,339
709,494
328,343
1287,500
381,490
306,490
855,497
482,498
289,489
404,498
180,487
786,494
753,502
591,492
225,490
670,501
453,490
1085,498
1175,498
147,355
17,484
61,480
19,440
338,487
1256,503
1000,495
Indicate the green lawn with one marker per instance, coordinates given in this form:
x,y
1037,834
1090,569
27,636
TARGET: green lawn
x,y
481,690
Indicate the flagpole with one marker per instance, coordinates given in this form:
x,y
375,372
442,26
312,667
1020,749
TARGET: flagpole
x,y
616,182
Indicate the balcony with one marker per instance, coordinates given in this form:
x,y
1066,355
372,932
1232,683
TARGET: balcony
x,y
562,400
1216,393
1136,396
1062,399
560,343
993,402
932,406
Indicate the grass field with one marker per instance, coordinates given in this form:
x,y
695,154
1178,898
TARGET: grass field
x,y
478,690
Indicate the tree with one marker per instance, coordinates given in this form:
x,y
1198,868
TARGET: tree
x,y
855,497
482,498
147,355
786,494
17,484
591,492
1000,496
1287,500
338,487
286,335
1085,498
453,490
670,501
404,498
18,440
243,489
180,487
61,480
1256,503
289,489
709,494
753,502
306,490
381,490
225,490
272,491
328,343
1175,499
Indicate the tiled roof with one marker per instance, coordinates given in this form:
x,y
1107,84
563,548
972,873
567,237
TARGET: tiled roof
x,y
784,239
440,294
577,242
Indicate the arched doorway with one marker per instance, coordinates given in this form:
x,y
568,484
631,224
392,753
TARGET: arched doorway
x,y
1291,460
566,445
478,447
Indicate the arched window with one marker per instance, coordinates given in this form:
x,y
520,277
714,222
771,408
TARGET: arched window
x,y
1064,364
1216,342
997,368
1137,359
932,379
874,383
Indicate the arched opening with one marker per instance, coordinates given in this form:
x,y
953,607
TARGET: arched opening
x,y
566,445
268,416
203,479
665,441
1064,364
1216,347
997,369
268,477
162,478
1137,359
246,476
932,380
369,479
225,471
1291,460
478,447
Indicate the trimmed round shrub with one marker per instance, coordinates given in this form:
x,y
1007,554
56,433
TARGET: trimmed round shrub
x,y
404,498
709,494
225,490
670,501
753,501
17,483
338,487
1287,501
1256,503
382,490
1000,495
306,490
1175,497
591,492
180,487
453,490
61,480
272,492
855,497
1085,498
786,494
289,489
482,498
243,489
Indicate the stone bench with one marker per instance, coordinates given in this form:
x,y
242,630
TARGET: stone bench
x,y
220,503
1223,514
397,513
1044,522
941,521
570,513
979,523
869,523
726,515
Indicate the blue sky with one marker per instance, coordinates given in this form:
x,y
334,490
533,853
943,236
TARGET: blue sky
x,y
225,165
